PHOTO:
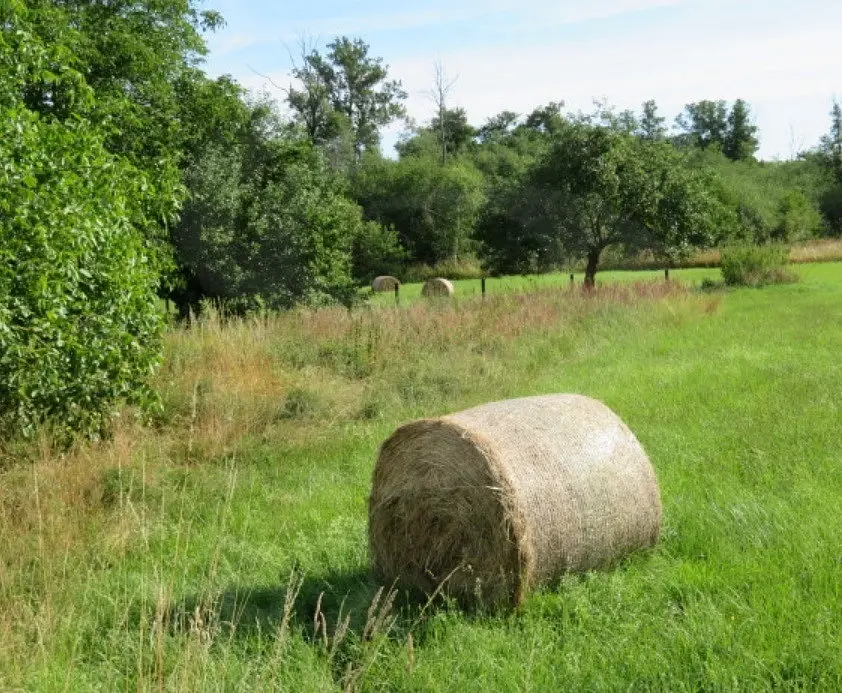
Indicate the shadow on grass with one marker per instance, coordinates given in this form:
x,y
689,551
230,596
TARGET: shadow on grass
x,y
316,605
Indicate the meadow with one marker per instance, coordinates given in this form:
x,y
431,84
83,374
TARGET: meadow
x,y
224,547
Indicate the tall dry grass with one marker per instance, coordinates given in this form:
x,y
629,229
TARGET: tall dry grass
x,y
818,250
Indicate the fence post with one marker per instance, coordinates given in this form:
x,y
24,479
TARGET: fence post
x,y
397,294
572,280
482,284
666,273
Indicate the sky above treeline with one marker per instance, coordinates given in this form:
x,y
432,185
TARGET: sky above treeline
x,y
783,57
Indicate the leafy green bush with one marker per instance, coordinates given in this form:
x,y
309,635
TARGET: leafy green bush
x,y
267,217
756,265
376,250
798,218
79,322
466,268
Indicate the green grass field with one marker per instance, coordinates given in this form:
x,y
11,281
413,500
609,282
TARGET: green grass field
x,y
224,547
472,287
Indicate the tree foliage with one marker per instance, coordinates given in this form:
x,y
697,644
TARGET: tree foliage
x,y
596,188
432,207
267,218
79,325
346,83
710,124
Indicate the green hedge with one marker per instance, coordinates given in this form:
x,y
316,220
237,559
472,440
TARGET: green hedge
x,y
79,322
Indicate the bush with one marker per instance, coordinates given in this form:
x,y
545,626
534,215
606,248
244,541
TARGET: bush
x,y
269,219
376,250
79,320
798,219
756,265
468,268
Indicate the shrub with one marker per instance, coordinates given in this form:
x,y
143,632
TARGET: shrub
x,y
467,268
755,265
798,219
79,321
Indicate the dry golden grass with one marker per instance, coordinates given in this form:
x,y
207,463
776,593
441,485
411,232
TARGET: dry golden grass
x,y
819,250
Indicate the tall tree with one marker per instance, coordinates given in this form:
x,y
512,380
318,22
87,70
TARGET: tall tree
x,y
440,94
547,119
651,126
498,126
831,144
453,130
741,141
357,87
311,102
597,188
704,123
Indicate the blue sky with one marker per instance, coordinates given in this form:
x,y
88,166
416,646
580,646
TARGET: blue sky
x,y
782,56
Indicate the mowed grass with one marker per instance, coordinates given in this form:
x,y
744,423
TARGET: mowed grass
x,y
225,547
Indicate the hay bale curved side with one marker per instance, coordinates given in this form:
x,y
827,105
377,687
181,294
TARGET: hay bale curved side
x,y
437,286
505,497
385,283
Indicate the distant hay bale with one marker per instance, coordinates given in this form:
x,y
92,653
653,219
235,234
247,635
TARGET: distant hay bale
x,y
437,287
385,283
497,500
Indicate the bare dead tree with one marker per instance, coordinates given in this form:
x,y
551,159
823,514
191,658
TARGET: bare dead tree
x,y
439,96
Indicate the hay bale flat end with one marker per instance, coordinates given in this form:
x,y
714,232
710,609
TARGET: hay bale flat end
x,y
385,283
437,287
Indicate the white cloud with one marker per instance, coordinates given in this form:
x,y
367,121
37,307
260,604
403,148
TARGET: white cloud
x,y
791,69
708,49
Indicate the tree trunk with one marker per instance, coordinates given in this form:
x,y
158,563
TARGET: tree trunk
x,y
590,269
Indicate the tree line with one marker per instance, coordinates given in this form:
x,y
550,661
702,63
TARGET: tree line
x,y
130,177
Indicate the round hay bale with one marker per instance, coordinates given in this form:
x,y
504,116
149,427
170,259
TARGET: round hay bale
x,y
497,500
384,283
437,287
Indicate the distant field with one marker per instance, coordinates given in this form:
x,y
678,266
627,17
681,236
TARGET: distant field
x,y
519,283
692,276
222,547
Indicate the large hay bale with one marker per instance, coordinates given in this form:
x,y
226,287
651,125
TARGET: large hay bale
x,y
385,283
437,287
502,498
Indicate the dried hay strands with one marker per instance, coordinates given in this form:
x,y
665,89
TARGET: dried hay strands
x,y
385,283
500,499
437,287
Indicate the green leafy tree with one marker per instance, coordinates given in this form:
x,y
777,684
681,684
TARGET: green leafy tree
x,y
79,323
355,85
267,218
597,188
704,124
433,208
376,250
830,154
498,127
135,57
830,146
798,218
454,131
311,102
545,120
741,141
651,126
